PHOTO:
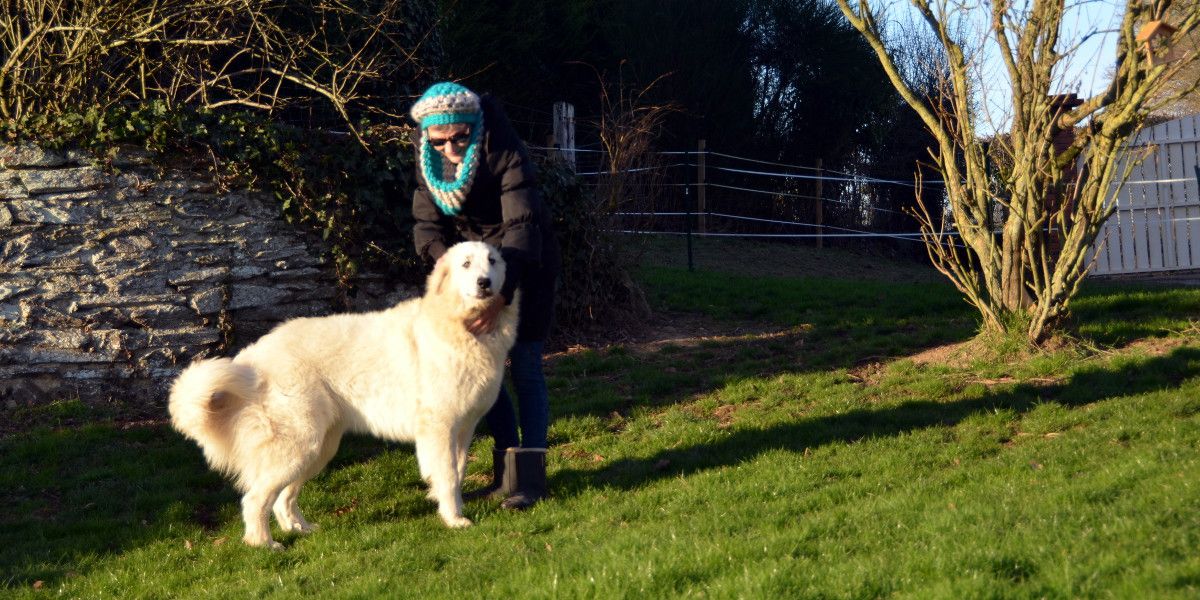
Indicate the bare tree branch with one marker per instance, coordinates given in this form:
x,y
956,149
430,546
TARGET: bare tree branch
x,y
58,55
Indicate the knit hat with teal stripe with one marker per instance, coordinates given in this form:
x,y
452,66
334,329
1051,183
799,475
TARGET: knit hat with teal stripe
x,y
447,103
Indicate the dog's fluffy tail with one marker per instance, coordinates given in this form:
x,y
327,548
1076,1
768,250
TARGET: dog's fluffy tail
x,y
207,400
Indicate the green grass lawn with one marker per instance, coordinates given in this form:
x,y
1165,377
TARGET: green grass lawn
x,y
812,458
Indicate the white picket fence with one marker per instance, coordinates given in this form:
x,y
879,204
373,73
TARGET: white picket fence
x,y
1156,226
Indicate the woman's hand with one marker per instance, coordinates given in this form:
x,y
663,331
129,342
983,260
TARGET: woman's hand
x,y
486,321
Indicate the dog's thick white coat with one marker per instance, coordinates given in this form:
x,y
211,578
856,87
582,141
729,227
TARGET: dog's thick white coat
x,y
272,417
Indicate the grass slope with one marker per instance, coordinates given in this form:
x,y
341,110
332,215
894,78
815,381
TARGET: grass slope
x,y
811,460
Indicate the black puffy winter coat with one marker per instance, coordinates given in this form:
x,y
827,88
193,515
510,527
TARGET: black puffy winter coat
x,y
504,208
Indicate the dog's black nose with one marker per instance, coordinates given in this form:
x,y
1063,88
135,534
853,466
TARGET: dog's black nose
x,y
484,283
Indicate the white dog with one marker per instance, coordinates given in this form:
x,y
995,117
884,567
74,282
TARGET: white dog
x,y
273,416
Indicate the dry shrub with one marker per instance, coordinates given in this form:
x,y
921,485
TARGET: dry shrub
x,y
597,298
309,62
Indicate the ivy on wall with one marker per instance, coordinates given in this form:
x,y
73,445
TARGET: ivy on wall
x,y
350,194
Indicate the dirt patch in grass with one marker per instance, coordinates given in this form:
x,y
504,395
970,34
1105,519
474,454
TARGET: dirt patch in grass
x,y
690,331
868,374
961,354
957,354
687,330
724,414
1160,346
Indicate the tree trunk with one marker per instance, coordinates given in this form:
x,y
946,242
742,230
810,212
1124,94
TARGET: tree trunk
x,y
1014,293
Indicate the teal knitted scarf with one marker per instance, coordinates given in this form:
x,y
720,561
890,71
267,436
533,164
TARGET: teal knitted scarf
x,y
449,195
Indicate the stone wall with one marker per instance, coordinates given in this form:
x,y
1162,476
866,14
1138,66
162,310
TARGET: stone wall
x,y
112,280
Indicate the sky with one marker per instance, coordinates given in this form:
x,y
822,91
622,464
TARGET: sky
x,y
1090,25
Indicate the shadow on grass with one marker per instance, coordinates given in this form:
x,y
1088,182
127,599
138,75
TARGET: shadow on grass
x,y
819,326
1114,314
840,326
620,379
68,497
1084,388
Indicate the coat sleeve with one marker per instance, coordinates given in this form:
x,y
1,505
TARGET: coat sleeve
x,y
520,200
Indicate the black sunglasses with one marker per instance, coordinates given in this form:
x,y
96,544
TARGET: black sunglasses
x,y
457,139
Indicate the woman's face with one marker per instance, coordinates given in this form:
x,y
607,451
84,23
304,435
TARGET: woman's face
x,y
451,140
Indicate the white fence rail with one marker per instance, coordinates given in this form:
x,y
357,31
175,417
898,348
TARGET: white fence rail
x,y
1156,226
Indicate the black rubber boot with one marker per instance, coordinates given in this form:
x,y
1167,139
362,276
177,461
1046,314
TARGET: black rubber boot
x,y
527,469
499,487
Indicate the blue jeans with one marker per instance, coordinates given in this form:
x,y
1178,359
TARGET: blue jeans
x,y
534,400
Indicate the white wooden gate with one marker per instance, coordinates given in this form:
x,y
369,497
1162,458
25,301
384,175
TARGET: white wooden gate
x,y
1156,226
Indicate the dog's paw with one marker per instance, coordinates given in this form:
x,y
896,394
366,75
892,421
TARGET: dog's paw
x,y
299,527
268,543
457,522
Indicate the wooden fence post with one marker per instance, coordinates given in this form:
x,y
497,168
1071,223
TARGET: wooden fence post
x,y
564,132
701,200
820,206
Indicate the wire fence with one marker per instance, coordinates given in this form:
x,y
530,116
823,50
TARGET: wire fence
x,y
705,193
720,195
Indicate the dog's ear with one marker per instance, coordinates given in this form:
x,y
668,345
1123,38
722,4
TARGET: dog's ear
x,y
440,276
